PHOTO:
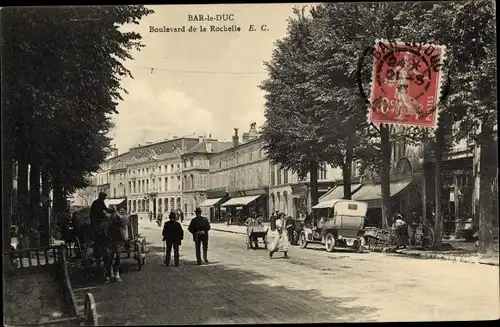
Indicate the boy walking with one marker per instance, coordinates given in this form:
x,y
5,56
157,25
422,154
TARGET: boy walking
x,y
173,236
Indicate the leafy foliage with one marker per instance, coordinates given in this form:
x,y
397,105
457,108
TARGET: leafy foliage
x,y
62,83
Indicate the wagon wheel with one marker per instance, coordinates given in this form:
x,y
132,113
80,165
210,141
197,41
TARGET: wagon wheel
x,y
330,242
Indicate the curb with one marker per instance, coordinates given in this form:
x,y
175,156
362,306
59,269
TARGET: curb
x,y
446,257
221,230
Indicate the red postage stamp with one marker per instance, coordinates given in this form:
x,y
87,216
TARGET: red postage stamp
x,y
406,84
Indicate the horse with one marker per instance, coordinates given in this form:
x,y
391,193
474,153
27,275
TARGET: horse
x,y
115,233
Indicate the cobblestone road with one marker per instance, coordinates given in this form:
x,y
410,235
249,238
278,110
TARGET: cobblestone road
x,y
246,286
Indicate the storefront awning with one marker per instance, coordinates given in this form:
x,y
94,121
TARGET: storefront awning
x,y
325,204
338,192
373,194
240,201
113,202
210,202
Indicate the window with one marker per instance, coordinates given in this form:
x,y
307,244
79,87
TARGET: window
x,y
250,154
322,171
273,177
220,164
191,163
171,168
285,176
191,183
278,175
185,163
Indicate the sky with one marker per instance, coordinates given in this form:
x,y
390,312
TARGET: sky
x,y
198,82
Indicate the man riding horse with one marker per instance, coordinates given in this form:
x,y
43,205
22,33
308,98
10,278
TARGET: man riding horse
x,y
109,234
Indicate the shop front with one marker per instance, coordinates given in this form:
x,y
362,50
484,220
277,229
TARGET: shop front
x,y
242,203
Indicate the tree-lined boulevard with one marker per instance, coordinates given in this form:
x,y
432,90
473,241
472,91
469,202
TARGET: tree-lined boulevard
x,y
246,286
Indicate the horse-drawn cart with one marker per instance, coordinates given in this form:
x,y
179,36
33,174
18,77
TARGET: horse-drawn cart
x,y
254,233
134,243
137,243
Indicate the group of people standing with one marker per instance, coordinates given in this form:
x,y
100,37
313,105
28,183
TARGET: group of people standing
x,y
173,235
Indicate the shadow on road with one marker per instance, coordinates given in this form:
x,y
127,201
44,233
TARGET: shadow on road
x,y
213,293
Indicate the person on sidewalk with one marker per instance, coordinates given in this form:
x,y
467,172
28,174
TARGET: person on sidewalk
x,y
181,215
151,216
401,229
172,236
280,241
199,227
290,229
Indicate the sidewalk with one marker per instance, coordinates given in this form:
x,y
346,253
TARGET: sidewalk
x,y
458,251
221,227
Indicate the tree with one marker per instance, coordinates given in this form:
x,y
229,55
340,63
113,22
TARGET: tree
x,y
468,30
293,130
60,112
344,33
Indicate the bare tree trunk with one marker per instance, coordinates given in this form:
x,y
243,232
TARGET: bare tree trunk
x,y
34,193
385,175
45,212
488,170
313,177
22,198
438,187
346,169
7,184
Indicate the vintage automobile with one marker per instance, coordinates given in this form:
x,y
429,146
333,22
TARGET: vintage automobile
x,y
341,225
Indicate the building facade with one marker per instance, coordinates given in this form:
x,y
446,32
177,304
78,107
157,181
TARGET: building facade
x,y
241,172
196,172
154,174
290,195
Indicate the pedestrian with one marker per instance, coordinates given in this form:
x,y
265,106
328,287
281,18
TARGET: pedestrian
x,y
290,229
272,219
151,216
401,229
250,223
199,227
172,236
181,215
159,218
280,242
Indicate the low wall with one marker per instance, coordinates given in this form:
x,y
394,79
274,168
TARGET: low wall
x,y
51,259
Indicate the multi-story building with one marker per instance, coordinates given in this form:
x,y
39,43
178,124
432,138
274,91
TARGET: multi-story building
x,y
154,174
195,172
103,174
118,183
240,173
289,194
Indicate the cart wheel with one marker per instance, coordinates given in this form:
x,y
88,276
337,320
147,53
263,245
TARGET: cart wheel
x,y
330,242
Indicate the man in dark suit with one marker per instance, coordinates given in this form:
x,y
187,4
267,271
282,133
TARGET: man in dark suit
x,y
199,227
173,236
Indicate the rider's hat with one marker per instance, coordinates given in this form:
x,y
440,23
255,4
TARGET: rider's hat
x,y
197,210
102,195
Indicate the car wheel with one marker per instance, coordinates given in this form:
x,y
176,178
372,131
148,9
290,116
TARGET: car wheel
x,y
330,242
302,240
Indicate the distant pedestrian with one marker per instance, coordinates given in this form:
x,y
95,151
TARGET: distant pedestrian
x,y
159,219
151,216
172,236
290,229
199,227
181,216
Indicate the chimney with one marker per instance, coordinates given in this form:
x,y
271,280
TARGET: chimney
x,y
236,138
245,138
200,139
209,147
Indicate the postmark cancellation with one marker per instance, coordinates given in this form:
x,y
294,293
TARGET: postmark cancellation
x,y
406,84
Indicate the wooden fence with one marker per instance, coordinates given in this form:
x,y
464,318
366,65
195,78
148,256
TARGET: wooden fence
x,y
52,259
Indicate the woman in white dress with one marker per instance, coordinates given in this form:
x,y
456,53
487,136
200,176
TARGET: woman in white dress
x,y
280,241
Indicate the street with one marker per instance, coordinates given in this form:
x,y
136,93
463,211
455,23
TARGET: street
x,y
246,286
